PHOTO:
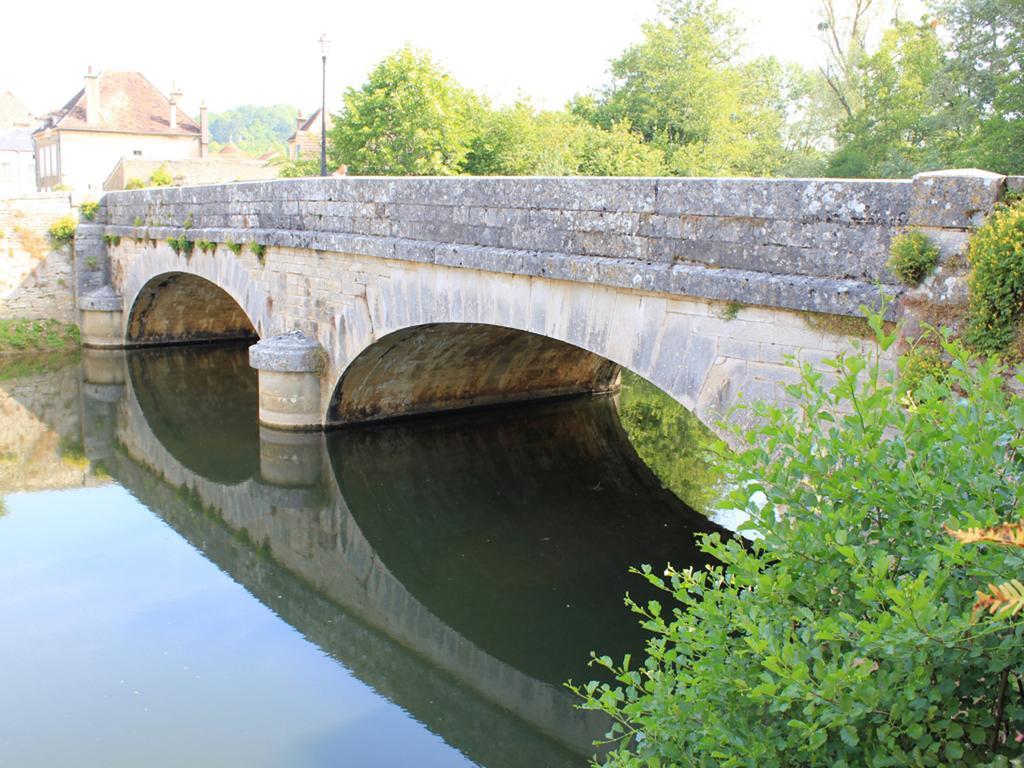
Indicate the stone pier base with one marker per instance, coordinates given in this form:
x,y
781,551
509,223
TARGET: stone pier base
x,y
290,367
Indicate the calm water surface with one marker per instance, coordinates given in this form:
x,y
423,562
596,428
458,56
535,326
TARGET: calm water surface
x,y
180,587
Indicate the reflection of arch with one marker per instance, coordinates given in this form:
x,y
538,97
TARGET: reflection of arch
x,y
179,307
450,366
512,527
205,390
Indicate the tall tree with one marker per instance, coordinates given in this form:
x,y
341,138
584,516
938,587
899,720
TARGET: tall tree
x,y
410,118
901,127
684,89
518,141
986,79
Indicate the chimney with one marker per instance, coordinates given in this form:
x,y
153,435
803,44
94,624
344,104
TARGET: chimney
x,y
176,95
204,131
299,121
92,98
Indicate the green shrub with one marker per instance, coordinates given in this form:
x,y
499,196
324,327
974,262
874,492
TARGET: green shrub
x,y
259,251
917,365
235,248
135,183
88,209
62,231
114,240
912,255
842,634
161,177
997,279
138,221
206,246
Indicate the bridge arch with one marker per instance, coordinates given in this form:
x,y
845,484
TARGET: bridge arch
x,y
171,298
442,338
453,366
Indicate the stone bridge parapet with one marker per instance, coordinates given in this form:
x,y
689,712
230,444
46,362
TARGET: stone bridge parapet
x,y
817,245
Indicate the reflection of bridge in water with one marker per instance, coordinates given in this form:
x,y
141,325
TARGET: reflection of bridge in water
x,y
378,550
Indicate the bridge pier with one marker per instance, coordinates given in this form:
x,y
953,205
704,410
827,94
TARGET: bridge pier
x,y
102,319
290,368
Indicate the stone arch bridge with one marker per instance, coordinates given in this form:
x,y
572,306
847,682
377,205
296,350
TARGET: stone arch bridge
x,y
375,298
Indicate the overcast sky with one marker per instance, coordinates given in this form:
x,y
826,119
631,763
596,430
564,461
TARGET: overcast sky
x,y
231,54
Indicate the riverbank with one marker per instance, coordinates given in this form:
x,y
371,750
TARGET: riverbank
x,y
24,336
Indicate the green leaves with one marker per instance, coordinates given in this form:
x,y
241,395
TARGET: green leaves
x,y
843,635
410,118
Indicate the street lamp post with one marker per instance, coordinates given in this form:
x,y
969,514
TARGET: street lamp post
x,y
324,45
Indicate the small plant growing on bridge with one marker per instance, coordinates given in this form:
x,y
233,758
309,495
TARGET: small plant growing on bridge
x,y
137,222
235,248
206,246
997,280
114,240
181,245
62,231
843,633
912,256
188,222
259,251
88,210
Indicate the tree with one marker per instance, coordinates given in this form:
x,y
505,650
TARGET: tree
x,y
410,118
986,79
683,90
517,141
901,127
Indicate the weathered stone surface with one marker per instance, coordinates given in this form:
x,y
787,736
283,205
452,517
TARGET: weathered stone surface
x,y
294,351
957,199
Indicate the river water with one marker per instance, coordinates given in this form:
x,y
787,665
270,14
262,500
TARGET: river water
x,y
179,587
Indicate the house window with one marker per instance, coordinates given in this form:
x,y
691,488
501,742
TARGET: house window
x,y
298,151
6,172
137,152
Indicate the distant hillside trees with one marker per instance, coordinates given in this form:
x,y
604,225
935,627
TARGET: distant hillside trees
x,y
254,129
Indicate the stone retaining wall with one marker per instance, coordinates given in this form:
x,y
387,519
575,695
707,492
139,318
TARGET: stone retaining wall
x,y
36,279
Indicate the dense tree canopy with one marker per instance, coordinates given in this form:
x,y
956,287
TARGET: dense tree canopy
x,y
410,118
891,98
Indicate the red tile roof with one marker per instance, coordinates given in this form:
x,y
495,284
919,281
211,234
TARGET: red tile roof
x,y
128,103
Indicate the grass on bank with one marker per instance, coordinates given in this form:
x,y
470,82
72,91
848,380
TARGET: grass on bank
x,y
23,336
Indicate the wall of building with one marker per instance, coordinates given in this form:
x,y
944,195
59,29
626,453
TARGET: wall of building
x,y
207,170
36,279
86,158
17,173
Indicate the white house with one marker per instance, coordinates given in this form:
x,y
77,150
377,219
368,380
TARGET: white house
x,y
116,115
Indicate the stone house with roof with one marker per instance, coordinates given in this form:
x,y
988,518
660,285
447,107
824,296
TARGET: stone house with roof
x,y
116,115
304,144
17,161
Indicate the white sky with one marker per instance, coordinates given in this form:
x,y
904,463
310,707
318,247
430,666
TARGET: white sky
x,y
240,53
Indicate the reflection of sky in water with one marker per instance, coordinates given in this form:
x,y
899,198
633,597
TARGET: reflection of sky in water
x,y
123,646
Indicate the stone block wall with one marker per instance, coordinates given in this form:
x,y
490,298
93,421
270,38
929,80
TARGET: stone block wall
x,y
36,279
819,245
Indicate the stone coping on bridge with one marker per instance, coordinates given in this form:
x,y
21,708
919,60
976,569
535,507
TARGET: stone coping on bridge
x,y
816,245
